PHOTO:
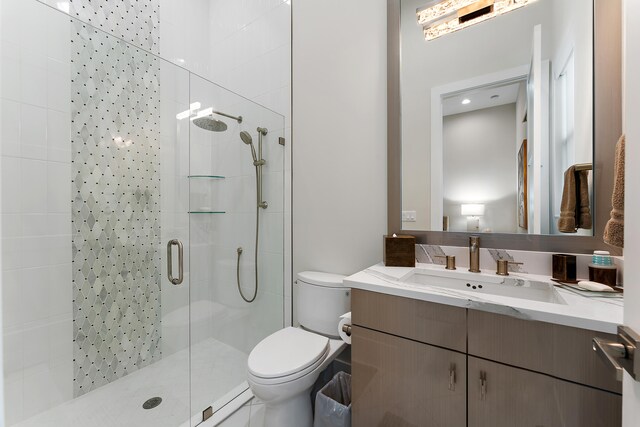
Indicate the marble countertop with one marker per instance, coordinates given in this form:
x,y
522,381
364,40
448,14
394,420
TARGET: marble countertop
x,y
595,311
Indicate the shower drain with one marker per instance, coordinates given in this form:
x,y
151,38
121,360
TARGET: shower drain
x,y
152,403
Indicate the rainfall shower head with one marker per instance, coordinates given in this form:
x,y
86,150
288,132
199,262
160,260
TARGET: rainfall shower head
x,y
210,124
246,138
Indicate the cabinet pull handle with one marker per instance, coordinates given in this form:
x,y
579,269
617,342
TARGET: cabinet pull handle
x,y
452,378
483,385
175,280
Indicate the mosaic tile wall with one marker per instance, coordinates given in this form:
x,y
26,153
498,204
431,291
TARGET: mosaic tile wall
x,y
135,21
115,208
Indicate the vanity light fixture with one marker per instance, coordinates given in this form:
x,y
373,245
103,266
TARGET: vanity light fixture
x,y
472,211
442,17
466,101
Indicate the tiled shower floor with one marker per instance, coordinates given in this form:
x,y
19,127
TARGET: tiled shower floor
x,y
217,369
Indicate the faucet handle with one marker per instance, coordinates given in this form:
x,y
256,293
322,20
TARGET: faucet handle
x,y
503,266
450,261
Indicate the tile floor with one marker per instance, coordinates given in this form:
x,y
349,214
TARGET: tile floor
x,y
120,403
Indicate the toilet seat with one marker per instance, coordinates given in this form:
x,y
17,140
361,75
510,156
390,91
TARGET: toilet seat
x,y
286,355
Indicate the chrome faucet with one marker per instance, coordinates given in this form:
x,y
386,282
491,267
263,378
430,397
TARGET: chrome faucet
x,y
474,254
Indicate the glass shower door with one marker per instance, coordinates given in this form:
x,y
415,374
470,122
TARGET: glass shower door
x,y
236,191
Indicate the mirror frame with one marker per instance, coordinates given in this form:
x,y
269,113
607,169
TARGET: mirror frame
x,y
607,123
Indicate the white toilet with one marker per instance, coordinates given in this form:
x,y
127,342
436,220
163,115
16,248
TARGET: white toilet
x,y
283,367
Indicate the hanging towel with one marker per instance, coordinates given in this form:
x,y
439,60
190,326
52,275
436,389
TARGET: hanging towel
x,y
575,210
614,230
584,207
567,220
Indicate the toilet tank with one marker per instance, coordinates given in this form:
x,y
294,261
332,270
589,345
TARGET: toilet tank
x,y
320,301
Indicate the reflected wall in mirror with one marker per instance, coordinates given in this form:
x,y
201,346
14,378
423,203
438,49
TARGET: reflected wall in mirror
x,y
470,99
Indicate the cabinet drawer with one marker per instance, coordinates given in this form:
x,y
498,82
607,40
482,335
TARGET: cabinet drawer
x,y
561,351
422,321
514,397
399,382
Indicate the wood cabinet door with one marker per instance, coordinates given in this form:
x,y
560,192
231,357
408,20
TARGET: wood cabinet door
x,y
501,395
397,382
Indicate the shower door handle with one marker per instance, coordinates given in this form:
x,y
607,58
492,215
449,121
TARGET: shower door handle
x,y
175,280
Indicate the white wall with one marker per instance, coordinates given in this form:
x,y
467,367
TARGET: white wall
x,y
472,141
339,156
631,91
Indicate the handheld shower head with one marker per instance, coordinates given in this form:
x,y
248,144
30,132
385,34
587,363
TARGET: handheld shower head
x,y
246,138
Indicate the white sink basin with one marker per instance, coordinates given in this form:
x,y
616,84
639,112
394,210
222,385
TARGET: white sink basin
x,y
484,283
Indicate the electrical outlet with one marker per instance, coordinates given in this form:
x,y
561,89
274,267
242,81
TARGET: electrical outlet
x,y
408,216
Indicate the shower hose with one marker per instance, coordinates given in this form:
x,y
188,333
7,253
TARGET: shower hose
x,y
255,253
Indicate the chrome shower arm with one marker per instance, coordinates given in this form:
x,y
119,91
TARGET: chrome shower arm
x,y
220,113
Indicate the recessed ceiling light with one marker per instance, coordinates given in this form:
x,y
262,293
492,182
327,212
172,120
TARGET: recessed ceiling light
x,y
466,101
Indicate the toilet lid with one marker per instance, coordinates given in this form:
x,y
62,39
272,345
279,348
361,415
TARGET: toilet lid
x,y
288,351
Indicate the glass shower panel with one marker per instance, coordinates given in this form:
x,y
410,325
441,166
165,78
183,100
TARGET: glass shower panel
x,y
224,198
98,175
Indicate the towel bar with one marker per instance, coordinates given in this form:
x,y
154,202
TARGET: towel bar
x,y
583,167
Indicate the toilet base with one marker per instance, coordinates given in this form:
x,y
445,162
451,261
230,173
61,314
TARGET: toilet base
x,y
293,412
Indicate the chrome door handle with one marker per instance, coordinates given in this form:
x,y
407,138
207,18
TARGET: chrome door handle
x,y
621,354
175,280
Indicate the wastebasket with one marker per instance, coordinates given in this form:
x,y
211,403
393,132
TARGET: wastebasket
x,y
333,403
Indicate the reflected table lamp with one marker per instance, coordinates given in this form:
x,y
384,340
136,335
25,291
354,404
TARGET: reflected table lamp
x,y
473,212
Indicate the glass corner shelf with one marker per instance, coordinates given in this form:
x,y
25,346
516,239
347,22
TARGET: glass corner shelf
x,y
207,176
206,212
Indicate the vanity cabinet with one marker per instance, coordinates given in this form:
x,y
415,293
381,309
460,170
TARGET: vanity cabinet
x,y
401,382
417,363
504,396
556,350
408,362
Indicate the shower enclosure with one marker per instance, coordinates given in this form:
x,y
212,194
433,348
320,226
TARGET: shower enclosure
x,y
127,190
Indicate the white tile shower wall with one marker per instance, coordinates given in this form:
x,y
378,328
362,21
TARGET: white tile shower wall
x,y
184,32
115,206
134,21
250,54
35,175
244,46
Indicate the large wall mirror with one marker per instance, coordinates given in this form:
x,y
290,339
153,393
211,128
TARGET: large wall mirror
x,y
496,123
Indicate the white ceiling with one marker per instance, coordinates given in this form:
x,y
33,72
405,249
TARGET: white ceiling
x,y
481,98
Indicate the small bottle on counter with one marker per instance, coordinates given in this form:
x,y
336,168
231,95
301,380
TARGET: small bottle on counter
x,y
602,270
